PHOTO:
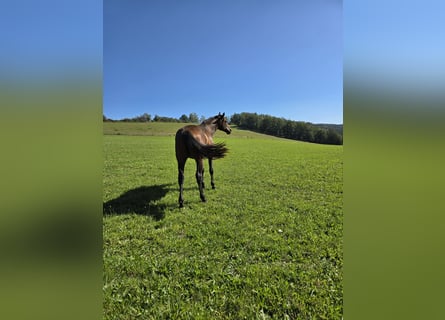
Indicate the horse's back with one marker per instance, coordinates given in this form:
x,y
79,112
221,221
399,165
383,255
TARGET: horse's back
x,y
196,132
186,139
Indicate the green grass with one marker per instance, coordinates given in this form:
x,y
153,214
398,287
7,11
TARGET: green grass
x,y
267,244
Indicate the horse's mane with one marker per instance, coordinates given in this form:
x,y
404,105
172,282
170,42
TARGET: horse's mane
x,y
209,120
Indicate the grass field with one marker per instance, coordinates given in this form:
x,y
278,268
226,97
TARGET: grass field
x,y
267,244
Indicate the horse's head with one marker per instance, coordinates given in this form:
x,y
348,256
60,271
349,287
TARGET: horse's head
x,y
221,122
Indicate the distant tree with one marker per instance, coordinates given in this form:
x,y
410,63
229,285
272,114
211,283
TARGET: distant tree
x,y
265,124
145,117
250,121
184,118
193,117
202,119
333,137
105,119
142,118
320,135
158,118
288,129
307,134
235,119
279,125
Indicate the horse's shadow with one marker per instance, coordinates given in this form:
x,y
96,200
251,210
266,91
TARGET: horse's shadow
x,y
141,200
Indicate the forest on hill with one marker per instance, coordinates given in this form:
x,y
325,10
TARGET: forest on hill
x,y
296,130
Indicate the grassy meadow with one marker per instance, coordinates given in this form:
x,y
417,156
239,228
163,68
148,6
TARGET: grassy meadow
x,y
267,244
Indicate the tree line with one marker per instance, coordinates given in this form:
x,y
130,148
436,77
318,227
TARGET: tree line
x,y
191,118
296,130
262,123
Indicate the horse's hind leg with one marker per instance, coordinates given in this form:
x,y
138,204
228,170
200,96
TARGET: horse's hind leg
x,y
181,166
211,173
200,178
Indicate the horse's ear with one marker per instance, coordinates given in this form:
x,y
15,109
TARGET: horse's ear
x,y
223,114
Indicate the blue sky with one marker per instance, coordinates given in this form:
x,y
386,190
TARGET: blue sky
x,y
169,58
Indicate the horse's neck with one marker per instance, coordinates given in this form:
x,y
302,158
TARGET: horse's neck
x,y
210,128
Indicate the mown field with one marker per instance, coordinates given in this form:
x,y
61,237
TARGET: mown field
x,y
267,244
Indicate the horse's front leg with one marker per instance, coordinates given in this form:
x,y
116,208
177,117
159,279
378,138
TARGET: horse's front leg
x,y
200,178
211,173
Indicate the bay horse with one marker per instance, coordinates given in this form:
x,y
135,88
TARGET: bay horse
x,y
196,142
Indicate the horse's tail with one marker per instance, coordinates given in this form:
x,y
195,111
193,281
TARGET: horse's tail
x,y
214,151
